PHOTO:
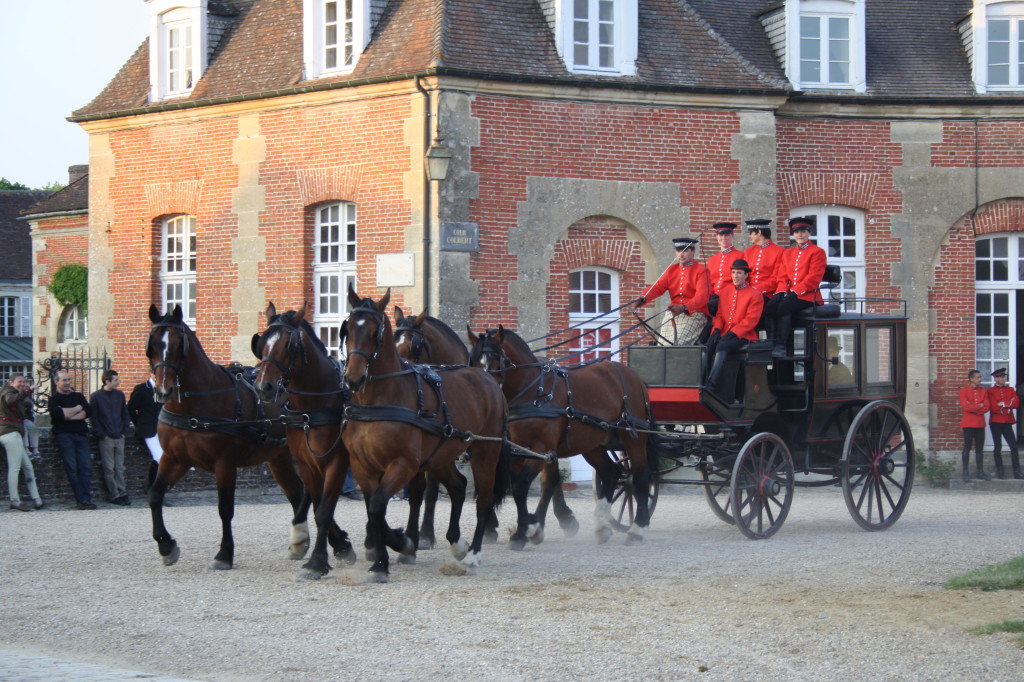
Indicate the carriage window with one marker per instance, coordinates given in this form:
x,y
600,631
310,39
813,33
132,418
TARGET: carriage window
x,y
842,345
334,267
878,355
178,265
593,295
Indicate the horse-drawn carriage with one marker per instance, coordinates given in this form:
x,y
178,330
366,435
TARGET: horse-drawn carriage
x,y
829,413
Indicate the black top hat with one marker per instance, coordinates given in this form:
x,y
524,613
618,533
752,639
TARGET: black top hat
x,y
683,243
740,264
801,224
1001,372
724,228
757,224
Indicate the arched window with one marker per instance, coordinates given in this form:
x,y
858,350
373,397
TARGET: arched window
x,y
840,231
593,296
998,302
73,326
334,267
178,265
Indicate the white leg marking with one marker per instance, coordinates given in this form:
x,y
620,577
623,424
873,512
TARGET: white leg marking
x,y
472,559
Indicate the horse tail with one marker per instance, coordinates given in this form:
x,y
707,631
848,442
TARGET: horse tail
x,y
655,448
503,473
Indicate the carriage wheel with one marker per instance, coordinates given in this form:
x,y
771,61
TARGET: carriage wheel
x,y
762,486
623,508
717,477
878,466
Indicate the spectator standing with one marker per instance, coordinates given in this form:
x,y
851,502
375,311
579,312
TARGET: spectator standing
x,y
110,424
1003,402
68,411
144,411
974,403
31,431
12,428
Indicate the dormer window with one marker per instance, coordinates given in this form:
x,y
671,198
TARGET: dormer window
x,y
177,39
998,29
597,36
335,33
825,44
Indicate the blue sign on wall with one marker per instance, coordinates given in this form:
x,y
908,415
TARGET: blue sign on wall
x,y
459,237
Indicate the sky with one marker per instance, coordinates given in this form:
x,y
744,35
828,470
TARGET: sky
x,y
55,57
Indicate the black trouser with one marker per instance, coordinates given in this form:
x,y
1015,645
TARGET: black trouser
x,y
712,311
1001,430
778,316
976,434
725,345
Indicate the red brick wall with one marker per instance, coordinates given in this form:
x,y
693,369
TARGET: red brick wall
x,y
61,249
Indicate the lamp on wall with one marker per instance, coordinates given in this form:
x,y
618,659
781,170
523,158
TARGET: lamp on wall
x,y
438,159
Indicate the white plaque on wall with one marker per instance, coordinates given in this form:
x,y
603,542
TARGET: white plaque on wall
x,y
396,270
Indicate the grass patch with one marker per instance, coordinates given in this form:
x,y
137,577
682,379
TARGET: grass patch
x,y
1008,575
1014,626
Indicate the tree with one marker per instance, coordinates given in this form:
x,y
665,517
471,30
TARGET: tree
x,y
54,186
8,184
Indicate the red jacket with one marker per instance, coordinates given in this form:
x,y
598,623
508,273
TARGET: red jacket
x,y
974,402
764,260
1007,395
739,311
688,286
800,270
720,268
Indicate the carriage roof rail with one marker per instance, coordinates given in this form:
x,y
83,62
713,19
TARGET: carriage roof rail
x,y
869,305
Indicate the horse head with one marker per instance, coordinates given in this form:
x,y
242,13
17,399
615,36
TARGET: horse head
x,y
367,336
281,351
410,340
167,349
487,350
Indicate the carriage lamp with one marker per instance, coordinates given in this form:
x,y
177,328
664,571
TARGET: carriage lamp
x,y
438,159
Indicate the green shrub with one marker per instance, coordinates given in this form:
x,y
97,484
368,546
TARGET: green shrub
x,y
70,285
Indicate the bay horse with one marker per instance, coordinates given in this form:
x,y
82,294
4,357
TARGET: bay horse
x,y
404,419
587,409
296,372
427,340
212,420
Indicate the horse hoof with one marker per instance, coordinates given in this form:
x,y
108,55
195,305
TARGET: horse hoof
x,y
378,576
297,550
516,544
490,537
472,560
409,548
459,548
294,555
538,536
172,556
426,543
634,539
347,557
369,554
571,527
603,535
310,574
219,565
408,559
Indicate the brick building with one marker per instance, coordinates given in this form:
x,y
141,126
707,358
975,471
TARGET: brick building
x,y
255,150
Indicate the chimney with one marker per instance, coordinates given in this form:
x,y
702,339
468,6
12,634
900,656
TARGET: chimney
x,y
76,173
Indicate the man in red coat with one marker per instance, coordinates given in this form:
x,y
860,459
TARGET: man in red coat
x,y
738,313
798,280
763,256
687,282
1002,404
720,264
974,403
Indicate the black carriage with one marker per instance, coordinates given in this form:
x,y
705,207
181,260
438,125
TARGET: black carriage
x,y
829,414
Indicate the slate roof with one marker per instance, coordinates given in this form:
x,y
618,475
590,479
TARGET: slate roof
x,y
73,198
913,50
16,254
16,349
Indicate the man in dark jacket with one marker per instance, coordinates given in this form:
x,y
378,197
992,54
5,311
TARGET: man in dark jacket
x,y
110,424
68,412
144,412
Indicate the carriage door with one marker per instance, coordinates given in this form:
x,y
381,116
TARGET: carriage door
x,y
999,304
334,268
593,295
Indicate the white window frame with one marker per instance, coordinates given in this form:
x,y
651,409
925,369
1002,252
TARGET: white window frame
x,y
9,312
167,16
852,10
72,318
986,11
334,267
987,356
853,268
624,36
593,314
178,265
315,36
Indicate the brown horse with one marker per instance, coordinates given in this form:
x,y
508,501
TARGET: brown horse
x,y
405,419
588,409
425,339
295,369
213,421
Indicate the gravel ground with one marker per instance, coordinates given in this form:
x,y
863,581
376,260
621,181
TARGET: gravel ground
x,y
822,600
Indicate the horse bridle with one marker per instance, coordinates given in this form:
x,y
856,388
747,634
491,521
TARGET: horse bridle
x,y
177,367
417,344
294,347
370,357
491,347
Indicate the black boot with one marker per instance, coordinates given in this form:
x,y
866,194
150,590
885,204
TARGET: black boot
x,y
1015,462
999,465
966,457
715,373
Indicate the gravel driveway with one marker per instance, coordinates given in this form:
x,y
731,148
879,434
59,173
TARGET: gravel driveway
x,y
821,600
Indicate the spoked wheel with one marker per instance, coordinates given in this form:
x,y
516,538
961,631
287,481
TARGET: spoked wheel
x,y
717,476
878,465
762,486
624,498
